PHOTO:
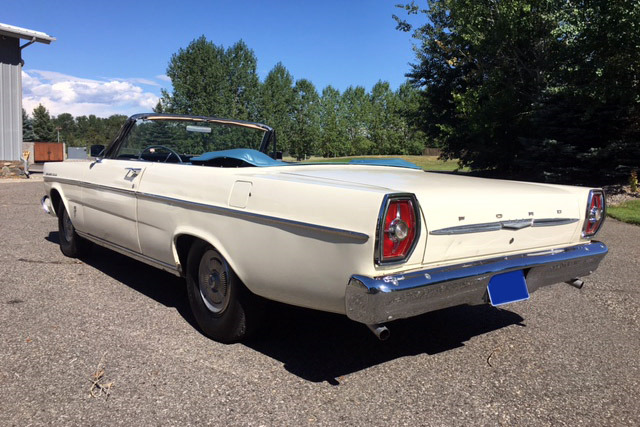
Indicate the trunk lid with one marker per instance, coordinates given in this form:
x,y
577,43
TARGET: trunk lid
x,y
505,216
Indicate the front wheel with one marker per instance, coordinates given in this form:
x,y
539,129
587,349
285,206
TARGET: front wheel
x,y
71,244
224,309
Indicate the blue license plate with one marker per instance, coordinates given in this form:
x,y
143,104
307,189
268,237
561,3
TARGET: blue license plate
x,y
506,288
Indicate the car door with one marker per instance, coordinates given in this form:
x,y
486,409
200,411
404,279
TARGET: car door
x,y
110,203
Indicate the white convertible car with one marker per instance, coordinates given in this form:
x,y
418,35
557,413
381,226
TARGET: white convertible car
x,y
204,198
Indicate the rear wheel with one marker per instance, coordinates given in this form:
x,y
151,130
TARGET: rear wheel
x,y
223,307
71,244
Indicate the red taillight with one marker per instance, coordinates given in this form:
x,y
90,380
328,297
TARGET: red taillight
x,y
398,230
595,213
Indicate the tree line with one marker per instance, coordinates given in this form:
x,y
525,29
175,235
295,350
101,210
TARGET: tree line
x,y
81,131
211,80
545,90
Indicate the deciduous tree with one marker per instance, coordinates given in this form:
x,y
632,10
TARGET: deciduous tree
x,y
332,141
305,119
534,88
278,98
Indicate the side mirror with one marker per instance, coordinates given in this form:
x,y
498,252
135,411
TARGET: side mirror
x,y
96,150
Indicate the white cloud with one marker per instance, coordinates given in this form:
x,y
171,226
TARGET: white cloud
x,y
135,80
61,93
164,78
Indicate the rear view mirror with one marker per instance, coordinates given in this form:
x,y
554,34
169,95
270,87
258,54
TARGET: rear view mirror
x,y
96,150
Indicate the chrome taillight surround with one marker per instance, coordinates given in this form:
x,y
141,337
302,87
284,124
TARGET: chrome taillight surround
x,y
398,227
596,213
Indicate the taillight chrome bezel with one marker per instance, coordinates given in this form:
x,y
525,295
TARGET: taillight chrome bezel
x,y
591,215
380,229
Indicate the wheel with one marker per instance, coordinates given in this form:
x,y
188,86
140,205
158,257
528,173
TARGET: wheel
x,y
71,244
223,307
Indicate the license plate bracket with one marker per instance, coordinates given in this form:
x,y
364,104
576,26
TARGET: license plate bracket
x,y
506,288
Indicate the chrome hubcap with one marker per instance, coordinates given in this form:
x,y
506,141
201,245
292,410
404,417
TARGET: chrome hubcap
x,y
213,281
67,227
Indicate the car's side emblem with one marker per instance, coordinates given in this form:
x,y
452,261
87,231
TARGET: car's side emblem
x,y
517,224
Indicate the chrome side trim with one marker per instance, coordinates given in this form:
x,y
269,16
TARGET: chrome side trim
x,y
374,300
359,237
550,222
517,224
174,269
90,185
353,235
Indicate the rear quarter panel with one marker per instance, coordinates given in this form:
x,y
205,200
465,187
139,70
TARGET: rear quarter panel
x,y
304,266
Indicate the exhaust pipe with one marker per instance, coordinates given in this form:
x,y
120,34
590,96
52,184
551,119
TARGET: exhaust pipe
x,y
382,332
576,283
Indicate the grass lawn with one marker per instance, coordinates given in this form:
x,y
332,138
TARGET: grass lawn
x,y
628,211
428,163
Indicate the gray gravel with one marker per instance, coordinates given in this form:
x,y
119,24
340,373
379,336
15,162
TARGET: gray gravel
x,y
565,357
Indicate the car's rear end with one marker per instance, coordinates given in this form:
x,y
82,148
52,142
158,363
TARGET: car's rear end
x,y
478,241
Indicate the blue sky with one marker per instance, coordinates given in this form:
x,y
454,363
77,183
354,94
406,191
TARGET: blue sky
x,y
111,56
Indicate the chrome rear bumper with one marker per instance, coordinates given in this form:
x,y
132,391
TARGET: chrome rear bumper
x,y
374,300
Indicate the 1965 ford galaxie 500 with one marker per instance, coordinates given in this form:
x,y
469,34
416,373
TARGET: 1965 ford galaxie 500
x,y
204,198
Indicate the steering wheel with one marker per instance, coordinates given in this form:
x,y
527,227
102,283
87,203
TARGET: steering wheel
x,y
171,152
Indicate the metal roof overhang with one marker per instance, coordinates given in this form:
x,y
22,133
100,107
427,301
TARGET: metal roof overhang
x,y
26,34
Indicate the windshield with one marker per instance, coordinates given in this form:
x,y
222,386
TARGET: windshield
x,y
175,140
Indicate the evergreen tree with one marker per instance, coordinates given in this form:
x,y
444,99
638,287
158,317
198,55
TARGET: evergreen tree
x,y
112,126
158,108
27,127
66,126
43,127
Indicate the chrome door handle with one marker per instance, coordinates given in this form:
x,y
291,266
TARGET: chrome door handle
x,y
133,171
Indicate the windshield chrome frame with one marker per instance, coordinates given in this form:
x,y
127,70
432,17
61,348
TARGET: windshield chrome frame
x,y
113,148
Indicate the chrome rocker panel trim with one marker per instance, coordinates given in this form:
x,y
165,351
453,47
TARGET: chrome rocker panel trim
x,y
382,299
173,269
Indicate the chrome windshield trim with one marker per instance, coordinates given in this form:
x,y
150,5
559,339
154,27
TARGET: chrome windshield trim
x,y
352,235
517,224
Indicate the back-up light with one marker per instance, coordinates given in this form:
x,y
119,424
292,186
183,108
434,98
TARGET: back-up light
x,y
398,228
595,213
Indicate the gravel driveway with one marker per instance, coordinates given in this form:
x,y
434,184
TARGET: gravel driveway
x,y
565,357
